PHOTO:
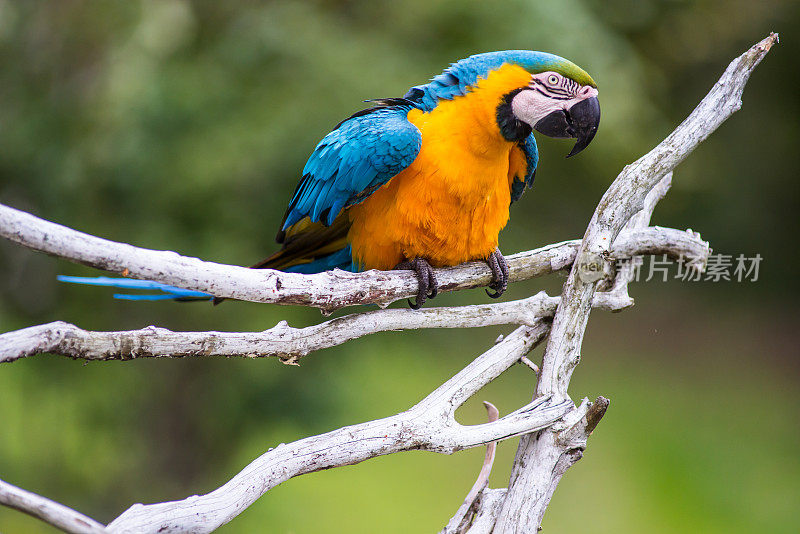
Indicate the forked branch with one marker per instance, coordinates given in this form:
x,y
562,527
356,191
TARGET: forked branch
x,y
539,455
430,425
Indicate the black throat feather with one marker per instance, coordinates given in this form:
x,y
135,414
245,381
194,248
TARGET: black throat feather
x,y
511,128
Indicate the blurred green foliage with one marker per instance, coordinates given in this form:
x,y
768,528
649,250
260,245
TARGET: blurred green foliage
x,y
183,125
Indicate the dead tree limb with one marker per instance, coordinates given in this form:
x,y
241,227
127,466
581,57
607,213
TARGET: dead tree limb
x,y
430,425
540,456
290,344
327,291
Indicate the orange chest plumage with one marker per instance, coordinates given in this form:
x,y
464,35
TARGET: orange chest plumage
x,y
450,204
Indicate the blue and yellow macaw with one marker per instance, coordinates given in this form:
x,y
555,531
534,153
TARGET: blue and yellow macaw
x,y
427,180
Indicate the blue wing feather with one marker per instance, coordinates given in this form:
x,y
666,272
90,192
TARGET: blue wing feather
x,y
356,158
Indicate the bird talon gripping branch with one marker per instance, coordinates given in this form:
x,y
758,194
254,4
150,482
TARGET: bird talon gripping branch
x,y
432,174
428,285
497,263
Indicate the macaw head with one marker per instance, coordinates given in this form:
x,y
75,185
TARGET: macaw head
x,y
545,92
560,101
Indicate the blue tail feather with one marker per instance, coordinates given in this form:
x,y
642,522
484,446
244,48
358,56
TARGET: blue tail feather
x,y
341,259
169,292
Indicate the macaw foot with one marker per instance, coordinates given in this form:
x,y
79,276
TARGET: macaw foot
x,y
428,286
497,263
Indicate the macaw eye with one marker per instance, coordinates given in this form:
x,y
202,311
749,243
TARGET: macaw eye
x,y
552,79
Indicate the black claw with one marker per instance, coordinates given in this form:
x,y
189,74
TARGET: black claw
x,y
497,263
433,283
428,285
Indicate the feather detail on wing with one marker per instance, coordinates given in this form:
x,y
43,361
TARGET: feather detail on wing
x,y
350,163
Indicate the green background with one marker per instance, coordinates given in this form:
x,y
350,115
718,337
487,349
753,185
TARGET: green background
x,y
183,126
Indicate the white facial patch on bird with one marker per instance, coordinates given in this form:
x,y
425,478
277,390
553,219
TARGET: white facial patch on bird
x,y
548,92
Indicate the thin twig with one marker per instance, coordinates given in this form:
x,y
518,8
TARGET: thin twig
x,y
460,522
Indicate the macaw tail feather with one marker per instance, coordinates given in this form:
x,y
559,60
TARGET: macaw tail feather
x,y
167,292
307,248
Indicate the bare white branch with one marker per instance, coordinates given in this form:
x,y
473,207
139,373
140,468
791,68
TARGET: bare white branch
x,y
48,511
282,341
290,344
542,458
622,200
430,425
328,291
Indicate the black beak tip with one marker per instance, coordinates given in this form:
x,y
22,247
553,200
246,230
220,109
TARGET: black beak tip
x,y
585,119
580,121
583,141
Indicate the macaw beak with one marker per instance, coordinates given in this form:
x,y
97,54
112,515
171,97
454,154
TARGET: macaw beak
x,y
580,121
